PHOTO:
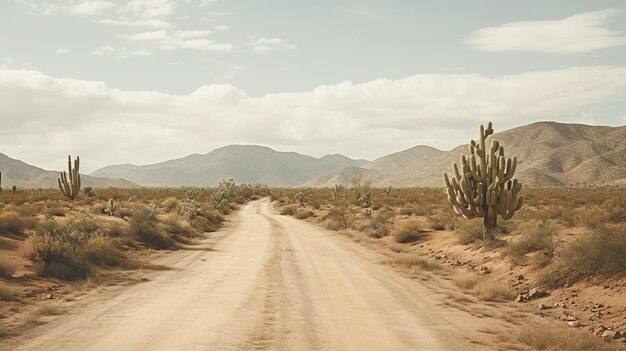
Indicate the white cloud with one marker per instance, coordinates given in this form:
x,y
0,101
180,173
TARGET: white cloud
x,y
180,39
583,32
153,35
61,51
187,34
122,53
90,7
264,45
72,7
50,117
218,13
154,23
222,28
150,8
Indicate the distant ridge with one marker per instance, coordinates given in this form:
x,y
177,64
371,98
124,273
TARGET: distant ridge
x,y
23,175
244,163
550,154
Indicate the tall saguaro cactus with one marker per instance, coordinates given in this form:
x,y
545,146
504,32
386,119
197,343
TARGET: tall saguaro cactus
x,y
69,182
484,187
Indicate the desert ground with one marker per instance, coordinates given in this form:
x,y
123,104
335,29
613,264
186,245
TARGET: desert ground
x,y
308,269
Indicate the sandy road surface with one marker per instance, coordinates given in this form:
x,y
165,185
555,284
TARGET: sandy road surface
x,y
272,282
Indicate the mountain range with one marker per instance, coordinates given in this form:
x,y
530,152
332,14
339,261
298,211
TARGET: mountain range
x,y
23,175
244,163
550,154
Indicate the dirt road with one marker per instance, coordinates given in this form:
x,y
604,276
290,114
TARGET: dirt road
x,y
272,282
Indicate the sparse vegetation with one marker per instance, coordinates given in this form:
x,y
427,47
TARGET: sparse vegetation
x,y
602,252
8,293
7,267
143,226
406,231
549,337
12,222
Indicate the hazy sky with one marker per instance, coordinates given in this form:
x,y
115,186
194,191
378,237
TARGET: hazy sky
x,y
142,81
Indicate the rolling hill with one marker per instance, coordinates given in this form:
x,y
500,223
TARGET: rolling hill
x,y
23,175
549,154
244,163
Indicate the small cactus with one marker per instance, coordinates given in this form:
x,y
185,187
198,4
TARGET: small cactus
x,y
111,207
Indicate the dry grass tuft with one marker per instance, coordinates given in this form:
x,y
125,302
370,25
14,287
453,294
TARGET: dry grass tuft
x,y
143,226
484,289
411,260
539,238
7,267
8,293
12,222
100,251
602,252
471,231
303,214
541,336
289,210
407,231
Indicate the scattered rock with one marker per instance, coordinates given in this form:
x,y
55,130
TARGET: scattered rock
x,y
612,334
601,329
49,296
441,257
531,295
519,277
574,324
571,318
544,307
485,270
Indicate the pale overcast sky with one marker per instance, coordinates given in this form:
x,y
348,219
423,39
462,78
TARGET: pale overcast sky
x,y
143,81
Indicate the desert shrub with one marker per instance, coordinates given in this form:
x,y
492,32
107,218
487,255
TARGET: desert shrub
x,y
343,217
101,251
316,204
442,220
226,191
544,336
471,231
289,210
483,288
489,290
405,211
466,281
8,293
12,222
379,224
303,214
411,260
602,252
406,231
540,238
144,227
85,225
55,212
176,224
124,212
171,204
54,253
7,267
208,220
